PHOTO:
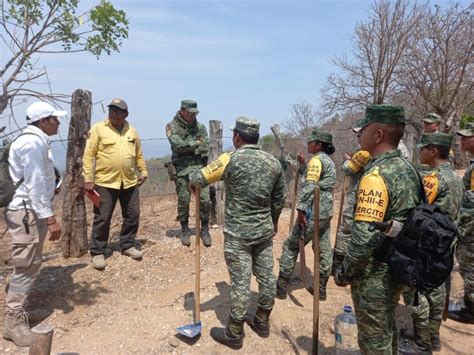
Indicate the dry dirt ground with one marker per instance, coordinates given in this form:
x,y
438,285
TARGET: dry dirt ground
x,y
135,306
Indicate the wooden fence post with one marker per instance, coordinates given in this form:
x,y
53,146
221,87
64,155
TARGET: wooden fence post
x,y
215,150
74,226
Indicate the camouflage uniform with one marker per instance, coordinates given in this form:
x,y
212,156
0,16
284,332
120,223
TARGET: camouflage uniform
x,y
353,172
190,148
444,188
465,246
255,195
325,180
388,190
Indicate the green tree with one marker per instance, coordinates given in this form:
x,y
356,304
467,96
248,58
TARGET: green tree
x,y
33,27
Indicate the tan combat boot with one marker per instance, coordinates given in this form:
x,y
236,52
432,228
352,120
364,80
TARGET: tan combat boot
x,y
16,329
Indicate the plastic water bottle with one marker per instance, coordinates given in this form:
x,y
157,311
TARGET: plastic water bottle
x,y
345,331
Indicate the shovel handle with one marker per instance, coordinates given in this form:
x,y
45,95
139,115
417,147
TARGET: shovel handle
x,y
197,250
316,238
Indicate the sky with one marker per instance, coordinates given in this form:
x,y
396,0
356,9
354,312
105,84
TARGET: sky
x,y
234,57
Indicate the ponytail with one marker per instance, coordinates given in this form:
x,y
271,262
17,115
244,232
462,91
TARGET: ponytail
x,y
328,148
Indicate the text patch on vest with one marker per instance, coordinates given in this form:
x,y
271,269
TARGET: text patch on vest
x,y
372,198
214,171
314,168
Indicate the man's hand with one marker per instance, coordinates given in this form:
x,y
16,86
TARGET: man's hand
x,y
339,279
301,219
192,188
54,229
89,186
347,156
141,180
198,142
300,158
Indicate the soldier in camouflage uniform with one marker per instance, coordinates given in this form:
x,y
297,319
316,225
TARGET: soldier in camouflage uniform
x,y
321,171
444,188
465,247
190,148
387,191
255,195
353,170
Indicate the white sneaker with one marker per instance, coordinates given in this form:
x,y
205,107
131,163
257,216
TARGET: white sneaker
x,y
133,253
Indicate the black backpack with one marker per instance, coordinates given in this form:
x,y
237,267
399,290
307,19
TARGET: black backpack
x,y
7,187
421,255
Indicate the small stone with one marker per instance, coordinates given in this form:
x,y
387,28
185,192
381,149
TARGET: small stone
x,y
174,342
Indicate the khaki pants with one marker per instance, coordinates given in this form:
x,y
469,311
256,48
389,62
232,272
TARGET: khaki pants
x,y
27,252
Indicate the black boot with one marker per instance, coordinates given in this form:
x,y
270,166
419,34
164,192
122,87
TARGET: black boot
x,y
205,236
337,260
435,342
462,316
185,234
281,285
260,323
322,288
231,336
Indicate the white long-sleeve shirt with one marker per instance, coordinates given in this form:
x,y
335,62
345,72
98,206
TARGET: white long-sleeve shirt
x,y
30,157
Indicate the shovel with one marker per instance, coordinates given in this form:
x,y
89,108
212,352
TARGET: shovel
x,y
192,330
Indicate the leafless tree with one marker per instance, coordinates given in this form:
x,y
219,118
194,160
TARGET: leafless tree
x,y
436,72
304,118
367,77
30,29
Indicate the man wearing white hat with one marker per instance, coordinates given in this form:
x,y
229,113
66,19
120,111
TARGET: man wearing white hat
x,y
29,216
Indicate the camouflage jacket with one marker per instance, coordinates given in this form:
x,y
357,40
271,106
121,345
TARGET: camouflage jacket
x,y
320,170
353,177
387,191
255,191
466,214
444,188
187,152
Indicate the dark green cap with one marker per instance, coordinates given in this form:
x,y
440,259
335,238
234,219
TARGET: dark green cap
x,y
190,106
119,103
468,130
432,118
383,113
443,139
320,136
246,125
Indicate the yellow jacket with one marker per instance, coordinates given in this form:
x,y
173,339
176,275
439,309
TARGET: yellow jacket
x,y
116,156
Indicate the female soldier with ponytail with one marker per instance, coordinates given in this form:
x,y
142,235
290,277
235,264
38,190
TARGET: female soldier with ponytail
x,y
320,170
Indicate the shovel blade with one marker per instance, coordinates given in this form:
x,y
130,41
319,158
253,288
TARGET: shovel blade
x,y
190,330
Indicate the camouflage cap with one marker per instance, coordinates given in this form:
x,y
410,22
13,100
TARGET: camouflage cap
x,y
246,125
432,118
190,106
119,103
382,113
320,136
468,130
443,139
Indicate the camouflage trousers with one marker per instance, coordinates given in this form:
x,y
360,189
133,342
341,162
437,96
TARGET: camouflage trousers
x,y
465,257
427,316
375,296
243,259
291,248
344,233
184,198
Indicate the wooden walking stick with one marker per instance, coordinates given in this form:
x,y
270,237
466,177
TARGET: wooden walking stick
x,y
295,190
316,238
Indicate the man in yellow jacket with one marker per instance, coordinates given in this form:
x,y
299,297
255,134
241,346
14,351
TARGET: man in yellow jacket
x,y
113,154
